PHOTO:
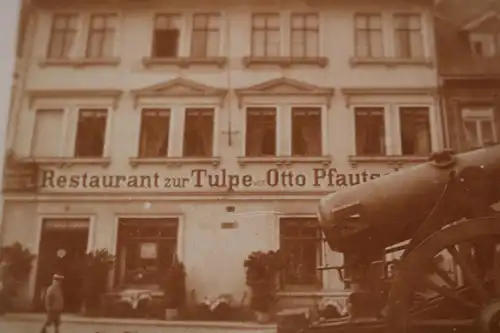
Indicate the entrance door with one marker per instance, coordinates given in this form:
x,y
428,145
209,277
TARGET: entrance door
x,y
63,246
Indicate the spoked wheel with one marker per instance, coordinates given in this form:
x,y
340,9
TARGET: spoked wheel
x,y
450,282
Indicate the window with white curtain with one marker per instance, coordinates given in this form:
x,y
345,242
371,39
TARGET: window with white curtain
x,y
260,131
101,36
199,132
155,129
370,131
415,130
306,131
205,39
48,133
368,35
266,39
479,126
304,34
408,34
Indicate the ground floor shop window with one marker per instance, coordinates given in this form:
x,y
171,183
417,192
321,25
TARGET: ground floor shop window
x,y
145,250
300,243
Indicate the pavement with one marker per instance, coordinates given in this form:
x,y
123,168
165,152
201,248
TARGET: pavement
x,y
32,323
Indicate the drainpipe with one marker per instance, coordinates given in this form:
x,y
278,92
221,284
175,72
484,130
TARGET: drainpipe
x,y
11,11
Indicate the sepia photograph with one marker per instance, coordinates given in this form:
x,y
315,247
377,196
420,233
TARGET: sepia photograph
x,y
250,166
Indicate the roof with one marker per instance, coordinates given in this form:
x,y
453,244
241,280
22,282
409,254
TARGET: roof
x,y
464,12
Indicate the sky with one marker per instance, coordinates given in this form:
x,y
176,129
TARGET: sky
x,y
8,34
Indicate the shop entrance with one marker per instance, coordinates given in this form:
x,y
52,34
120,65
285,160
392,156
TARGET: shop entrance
x,y
63,246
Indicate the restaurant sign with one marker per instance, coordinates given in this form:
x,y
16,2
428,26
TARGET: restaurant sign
x,y
199,178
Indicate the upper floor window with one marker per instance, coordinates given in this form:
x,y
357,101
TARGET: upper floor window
x,y
304,35
91,133
48,133
154,137
266,41
306,131
101,38
479,126
408,33
370,130
300,242
166,36
260,132
415,130
62,35
205,40
198,132
485,44
368,35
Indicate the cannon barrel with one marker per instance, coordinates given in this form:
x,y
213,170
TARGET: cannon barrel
x,y
388,210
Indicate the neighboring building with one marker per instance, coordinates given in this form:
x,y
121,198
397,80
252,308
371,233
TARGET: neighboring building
x,y
157,129
469,65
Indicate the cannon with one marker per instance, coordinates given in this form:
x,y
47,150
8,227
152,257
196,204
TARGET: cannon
x,y
438,215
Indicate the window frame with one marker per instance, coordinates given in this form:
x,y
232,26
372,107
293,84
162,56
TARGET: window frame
x,y
389,148
280,30
74,47
304,30
323,259
382,32
116,39
215,129
279,128
222,21
323,128
182,31
107,136
477,120
64,130
170,121
423,32
432,126
179,236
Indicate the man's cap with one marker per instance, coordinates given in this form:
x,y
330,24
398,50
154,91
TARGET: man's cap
x,y
58,277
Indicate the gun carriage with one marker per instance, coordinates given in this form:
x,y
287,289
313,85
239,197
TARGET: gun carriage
x,y
439,209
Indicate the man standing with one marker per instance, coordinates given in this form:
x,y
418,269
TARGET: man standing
x,y
54,304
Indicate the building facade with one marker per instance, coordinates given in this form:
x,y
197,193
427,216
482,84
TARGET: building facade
x,y
155,129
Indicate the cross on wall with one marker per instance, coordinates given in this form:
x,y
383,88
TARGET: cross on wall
x,y
229,132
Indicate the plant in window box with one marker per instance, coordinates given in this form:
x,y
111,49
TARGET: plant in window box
x,y
97,263
174,289
262,270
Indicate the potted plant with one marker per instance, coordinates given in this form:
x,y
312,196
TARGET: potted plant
x,y
174,289
97,263
15,268
262,270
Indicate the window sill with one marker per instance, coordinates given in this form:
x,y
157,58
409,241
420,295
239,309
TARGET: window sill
x,y
284,160
80,62
173,161
390,62
285,62
62,162
184,62
318,293
396,161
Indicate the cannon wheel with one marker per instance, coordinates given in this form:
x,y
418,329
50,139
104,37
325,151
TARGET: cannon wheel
x,y
471,305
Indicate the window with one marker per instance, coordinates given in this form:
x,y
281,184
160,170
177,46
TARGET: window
x,y
198,133
368,35
155,129
101,39
485,44
370,131
306,131
479,126
305,35
261,132
300,243
62,35
166,36
206,35
408,31
91,133
266,35
146,248
48,133
415,131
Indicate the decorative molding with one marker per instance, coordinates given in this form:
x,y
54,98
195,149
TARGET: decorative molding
x,y
285,87
285,62
114,94
391,61
376,91
185,62
395,161
179,87
67,162
284,160
174,161
80,62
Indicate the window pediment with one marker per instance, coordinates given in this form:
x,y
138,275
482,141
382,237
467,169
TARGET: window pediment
x,y
350,94
179,87
488,22
112,94
284,87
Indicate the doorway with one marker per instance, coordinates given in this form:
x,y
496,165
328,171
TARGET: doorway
x,y
63,246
